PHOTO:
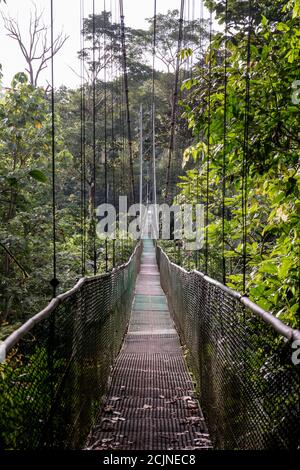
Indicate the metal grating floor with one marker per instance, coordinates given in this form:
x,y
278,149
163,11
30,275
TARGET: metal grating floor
x,y
151,403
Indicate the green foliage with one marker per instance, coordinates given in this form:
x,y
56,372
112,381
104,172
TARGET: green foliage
x,y
273,186
26,198
19,399
25,193
273,167
38,175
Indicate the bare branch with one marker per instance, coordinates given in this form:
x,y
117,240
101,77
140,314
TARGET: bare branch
x,y
11,255
37,52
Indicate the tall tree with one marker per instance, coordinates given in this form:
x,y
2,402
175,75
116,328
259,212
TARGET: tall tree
x,y
107,43
194,34
238,11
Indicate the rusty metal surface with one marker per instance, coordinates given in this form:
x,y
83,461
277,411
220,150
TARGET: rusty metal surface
x,y
151,403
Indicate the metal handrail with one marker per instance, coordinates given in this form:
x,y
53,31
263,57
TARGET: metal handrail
x,y
18,334
281,328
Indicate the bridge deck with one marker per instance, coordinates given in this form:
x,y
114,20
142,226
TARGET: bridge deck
x,y
151,403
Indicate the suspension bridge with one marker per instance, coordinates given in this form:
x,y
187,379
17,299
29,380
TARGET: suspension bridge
x,y
148,355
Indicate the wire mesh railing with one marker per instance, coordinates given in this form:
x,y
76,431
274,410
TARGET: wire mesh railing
x,y
241,357
57,365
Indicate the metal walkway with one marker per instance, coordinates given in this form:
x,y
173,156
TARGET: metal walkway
x,y
151,403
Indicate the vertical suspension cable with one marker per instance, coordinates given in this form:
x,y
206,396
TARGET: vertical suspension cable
x,y
105,105
105,127
197,201
193,22
224,144
208,145
118,121
201,26
175,97
245,160
125,71
122,126
82,145
54,281
188,18
183,74
153,106
113,144
201,18
156,224
123,119
94,144
246,149
147,187
141,165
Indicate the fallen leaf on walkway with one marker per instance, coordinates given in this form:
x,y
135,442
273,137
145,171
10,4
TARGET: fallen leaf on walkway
x,y
203,443
186,398
116,419
192,405
173,400
106,420
200,440
112,420
108,409
194,419
94,444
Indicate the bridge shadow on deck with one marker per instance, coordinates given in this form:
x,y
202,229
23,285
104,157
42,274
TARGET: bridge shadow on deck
x,y
151,403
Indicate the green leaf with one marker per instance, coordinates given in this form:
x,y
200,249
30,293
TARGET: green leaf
x,y
296,9
257,291
265,52
264,21
282,27
188,84
294,308
265,304
38,175
268,267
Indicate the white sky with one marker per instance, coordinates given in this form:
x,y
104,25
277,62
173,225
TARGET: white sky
x,y
67,18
